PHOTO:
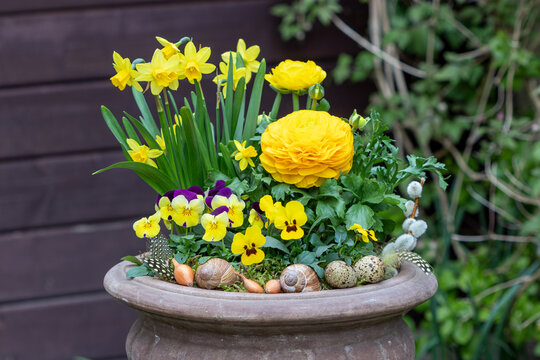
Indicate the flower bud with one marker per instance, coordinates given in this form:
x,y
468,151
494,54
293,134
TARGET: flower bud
x,y
414,189
263,117
418,228
409,207
407,224
405,242
357,121
316,91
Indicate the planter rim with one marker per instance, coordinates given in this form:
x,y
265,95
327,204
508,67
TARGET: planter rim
x,y
389,298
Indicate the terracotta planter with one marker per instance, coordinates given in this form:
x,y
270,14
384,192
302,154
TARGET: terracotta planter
x,y
178,322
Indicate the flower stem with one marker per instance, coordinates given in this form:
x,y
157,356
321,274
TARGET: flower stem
x,y
296,106
275,107
314,104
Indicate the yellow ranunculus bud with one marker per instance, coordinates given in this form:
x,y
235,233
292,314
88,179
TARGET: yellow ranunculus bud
x,y
295,75
316,92
307,147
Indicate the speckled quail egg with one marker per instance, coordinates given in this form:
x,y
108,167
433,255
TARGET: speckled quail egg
x,y
340,275
369,269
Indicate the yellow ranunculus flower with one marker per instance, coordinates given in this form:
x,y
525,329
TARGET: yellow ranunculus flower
x,y
295,75
307,147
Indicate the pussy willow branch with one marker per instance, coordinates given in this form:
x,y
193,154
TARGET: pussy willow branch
x,y
490,205
363,42
494,237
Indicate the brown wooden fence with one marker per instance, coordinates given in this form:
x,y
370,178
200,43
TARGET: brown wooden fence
x,y
61,229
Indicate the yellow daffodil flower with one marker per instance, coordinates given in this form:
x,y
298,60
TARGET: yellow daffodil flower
x,y
249,56
266,203
161,142
187,212
142,154
169,49
161,72
243,155
236,207
366,234
238,73
248,245
125,75
193,63
290,219
255,219
147,227
215,226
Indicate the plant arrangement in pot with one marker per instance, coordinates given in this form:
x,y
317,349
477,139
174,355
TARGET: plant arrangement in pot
x,y
249,201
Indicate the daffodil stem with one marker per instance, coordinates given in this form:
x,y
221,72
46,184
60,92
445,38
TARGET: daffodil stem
x,y
296,106
200,88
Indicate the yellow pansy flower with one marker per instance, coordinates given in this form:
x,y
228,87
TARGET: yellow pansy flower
x,y
169,49
243,155
266,203
249,56
248,245
235,208
142,154
254,219
161,72
215,225
147,227
290,219
188,208
366,234
295,75
125,75
193,63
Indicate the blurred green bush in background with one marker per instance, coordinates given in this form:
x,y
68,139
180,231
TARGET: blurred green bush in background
x,y
459,80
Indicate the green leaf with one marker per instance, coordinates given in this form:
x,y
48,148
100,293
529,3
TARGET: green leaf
x,y
114,126
254,102
132,259
330,188
306,258
137,271
155,178
147,118
275,244
319,250
361,215
279,191
181,258
325,209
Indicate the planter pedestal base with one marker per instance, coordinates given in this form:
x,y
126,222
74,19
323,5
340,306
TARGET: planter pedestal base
x,y
188,323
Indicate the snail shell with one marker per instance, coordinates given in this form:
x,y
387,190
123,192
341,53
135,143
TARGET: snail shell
x,y
215,272
370,269
299,278
340,275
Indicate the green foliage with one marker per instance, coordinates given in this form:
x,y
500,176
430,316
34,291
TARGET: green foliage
x,y
475,106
